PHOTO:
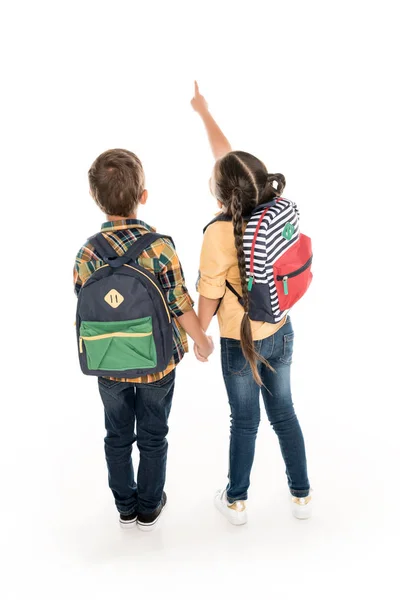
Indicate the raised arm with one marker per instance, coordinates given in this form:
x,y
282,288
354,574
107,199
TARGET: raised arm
x,y
218,142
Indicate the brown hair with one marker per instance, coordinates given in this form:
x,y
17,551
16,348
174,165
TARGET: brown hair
x,y
116,180
241,183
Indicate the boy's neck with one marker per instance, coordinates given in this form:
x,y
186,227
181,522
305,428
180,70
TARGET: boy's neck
x,y
118,218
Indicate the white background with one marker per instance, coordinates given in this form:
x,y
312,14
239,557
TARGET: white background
x,y
309,87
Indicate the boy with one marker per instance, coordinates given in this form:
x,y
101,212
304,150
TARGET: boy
x,y
117,185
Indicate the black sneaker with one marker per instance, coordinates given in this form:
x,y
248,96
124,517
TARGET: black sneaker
x,y
148,521
128,521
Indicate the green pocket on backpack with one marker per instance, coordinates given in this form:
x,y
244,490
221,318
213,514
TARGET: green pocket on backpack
x,y
118,345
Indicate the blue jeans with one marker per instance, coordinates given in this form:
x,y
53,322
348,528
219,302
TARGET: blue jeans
x,y
147,406
244,400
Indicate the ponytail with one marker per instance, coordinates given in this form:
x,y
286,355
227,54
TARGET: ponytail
x,y
270,191
280,180
246,336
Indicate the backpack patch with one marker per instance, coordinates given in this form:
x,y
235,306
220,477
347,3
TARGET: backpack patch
x,y
288,231
114,298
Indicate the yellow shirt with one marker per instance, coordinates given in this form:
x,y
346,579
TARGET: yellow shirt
x,y
218,263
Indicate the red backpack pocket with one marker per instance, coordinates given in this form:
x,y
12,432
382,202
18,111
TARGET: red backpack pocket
x,y
292,272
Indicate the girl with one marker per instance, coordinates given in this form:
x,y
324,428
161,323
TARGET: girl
x,y
255,355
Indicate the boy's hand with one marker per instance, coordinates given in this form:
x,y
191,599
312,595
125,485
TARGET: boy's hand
x,y
203,352
198,102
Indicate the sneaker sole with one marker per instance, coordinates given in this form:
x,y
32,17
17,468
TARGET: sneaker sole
x,y
128,524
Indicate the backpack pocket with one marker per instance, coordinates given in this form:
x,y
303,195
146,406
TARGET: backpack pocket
x,y
118,345
292,273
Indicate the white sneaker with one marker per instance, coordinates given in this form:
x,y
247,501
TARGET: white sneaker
x,y
301,507
236,512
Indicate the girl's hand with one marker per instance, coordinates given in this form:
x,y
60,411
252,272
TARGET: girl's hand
x,y
218,142
202,353
198,102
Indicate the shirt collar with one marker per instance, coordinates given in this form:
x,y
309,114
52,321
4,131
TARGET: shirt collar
x,y
126,224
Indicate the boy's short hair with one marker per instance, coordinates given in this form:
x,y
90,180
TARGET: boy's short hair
x,y
117,182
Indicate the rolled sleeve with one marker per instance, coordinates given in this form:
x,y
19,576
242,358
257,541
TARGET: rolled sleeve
x,y
173,282
214,265
209,288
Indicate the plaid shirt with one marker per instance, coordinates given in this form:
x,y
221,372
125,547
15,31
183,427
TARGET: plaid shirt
x,y
161,260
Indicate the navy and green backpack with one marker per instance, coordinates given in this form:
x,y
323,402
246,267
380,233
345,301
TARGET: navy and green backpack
x,y
124,325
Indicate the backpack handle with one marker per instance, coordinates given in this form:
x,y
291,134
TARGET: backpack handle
x,y
109,255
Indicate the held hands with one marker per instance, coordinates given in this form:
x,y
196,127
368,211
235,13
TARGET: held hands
x,y
202,352
198,102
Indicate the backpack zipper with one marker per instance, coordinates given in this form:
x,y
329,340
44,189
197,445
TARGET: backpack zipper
x,y
103,336
299,271
158,290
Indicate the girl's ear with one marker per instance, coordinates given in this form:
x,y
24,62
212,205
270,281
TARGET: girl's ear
x,y
144,197
220,205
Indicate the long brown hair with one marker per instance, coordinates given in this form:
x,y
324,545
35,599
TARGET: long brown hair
x,y
241,183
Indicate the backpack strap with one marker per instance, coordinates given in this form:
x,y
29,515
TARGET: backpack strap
x,y
102,247
232,289
220,217
143,242
253,246
110,256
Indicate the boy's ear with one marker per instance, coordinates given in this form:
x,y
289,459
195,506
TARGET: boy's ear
x,y
144,197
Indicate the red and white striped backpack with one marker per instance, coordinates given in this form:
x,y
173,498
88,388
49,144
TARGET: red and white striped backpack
x,y
278,260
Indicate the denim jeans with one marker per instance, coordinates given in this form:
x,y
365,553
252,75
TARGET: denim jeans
x,y
244,400
146,406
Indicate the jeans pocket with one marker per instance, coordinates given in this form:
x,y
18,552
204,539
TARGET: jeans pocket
x,y
107,383
288,341
168,379
233,360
